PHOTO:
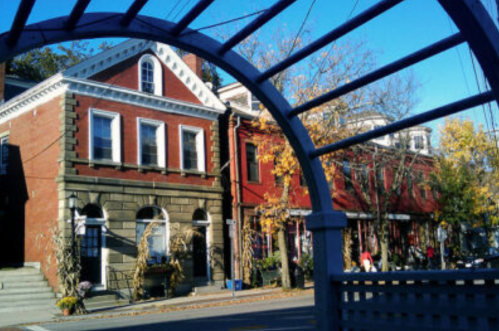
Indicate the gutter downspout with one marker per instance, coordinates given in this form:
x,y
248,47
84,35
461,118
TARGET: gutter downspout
x,y
236,192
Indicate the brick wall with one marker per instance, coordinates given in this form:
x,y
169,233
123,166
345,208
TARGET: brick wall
x,y
126,74
35,135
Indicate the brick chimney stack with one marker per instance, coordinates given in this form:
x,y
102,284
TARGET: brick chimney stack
x,y
2,81
194,63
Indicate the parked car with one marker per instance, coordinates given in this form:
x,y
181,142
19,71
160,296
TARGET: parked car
x,y
490,260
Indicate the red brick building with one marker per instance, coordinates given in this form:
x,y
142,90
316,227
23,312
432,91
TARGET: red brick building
x,y
251,179
134,133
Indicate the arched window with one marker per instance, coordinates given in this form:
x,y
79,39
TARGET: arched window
x,y
200,215
158,240
150,75
92,211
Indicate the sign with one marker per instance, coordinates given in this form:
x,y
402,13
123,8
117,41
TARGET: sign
x,y
230,222
441,234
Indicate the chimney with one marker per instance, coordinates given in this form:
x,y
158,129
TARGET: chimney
x,y
194,63
2,81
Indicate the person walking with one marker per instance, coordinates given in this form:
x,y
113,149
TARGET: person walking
x,y
430,253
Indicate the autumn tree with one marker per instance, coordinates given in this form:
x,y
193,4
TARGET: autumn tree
x,y
467,175
316,75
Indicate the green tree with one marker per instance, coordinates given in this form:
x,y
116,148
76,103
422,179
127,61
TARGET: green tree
x,y
42,63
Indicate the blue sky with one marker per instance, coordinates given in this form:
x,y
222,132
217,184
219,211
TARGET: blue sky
x,y
399,32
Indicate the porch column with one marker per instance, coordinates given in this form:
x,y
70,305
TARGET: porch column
x,y
328,260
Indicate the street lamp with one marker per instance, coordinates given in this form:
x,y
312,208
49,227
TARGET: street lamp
x,y
72,206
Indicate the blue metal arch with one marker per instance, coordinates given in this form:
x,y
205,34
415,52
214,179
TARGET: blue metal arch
x,y
475,27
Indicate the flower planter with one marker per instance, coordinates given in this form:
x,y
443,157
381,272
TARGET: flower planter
x,y
66,312
270,276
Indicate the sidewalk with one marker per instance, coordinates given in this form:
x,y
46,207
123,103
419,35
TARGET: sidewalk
x,y
157,306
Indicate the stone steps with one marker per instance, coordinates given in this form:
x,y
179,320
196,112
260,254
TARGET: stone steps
x,y
25,289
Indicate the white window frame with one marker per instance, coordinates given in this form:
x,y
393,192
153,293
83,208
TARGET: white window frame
x,y
115,133
3,166
165,221
200,147
82,223
157,73
160,140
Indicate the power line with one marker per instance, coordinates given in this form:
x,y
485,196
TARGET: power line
x,y
225,22
174,7
181,9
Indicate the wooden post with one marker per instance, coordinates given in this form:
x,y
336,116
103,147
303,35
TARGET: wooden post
x,y
328,260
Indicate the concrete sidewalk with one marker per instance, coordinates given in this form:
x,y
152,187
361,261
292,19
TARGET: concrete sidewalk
x,y
188,302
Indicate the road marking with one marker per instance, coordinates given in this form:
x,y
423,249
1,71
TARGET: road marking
x,y
36,328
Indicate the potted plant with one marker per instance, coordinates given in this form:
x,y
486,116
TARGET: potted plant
x,y
270,268
67,304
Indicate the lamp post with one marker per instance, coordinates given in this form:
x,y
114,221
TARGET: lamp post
x,y
72,207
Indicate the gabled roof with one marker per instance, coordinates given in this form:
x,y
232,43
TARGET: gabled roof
x,y
165,54
75,80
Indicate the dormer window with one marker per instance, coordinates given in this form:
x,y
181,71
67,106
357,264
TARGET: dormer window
x,y
150,75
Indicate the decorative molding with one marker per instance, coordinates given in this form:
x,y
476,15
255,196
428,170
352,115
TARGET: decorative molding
x,y
165,54
133,97
32,98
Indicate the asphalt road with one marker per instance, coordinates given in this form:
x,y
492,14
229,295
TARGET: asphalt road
x,y
294,313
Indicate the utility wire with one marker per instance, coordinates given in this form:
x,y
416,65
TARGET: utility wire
x,y
173,9
181,9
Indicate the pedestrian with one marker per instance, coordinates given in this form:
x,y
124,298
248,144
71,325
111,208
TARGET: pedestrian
x,y
430,253
367,261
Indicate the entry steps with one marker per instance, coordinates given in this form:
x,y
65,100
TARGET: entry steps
x,y
25,289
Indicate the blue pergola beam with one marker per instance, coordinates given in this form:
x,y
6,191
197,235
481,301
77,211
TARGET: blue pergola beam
x,y
255,25
132,12
76,13
20,20
328,38
385,71
191,16
428,116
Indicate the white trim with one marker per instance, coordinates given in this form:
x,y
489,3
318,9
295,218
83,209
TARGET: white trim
x,y
145,100
160,140
200,147
157,73
165,54
166,221
43,92
104,251
115,132
57,85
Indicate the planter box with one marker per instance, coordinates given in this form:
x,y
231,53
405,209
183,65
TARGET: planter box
x,y
155,285
270,276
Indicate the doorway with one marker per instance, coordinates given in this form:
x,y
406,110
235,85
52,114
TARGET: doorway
x,y
91,257
200,253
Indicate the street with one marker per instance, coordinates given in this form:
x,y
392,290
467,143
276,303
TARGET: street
x,y
294,313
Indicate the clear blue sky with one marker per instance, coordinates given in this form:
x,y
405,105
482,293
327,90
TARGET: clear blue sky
x,y
404,29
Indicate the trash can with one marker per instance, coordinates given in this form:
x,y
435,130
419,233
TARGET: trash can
x,y
237,282
299,278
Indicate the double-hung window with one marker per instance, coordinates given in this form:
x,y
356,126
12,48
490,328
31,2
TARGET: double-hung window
x,y
105,136
151,142
4,154
418,142
347,173
147,77
252,162
192,149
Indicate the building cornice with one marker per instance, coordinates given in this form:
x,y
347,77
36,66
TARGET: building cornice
x,y
58,84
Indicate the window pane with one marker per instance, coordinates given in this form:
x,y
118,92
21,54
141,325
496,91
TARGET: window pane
x,y
4,154
252,163
148,138
418,142
190,154
157,239
103,143
147,77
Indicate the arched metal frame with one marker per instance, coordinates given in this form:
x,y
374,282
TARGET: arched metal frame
x,y
475,27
